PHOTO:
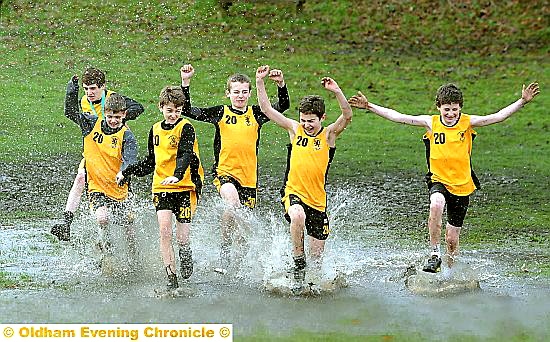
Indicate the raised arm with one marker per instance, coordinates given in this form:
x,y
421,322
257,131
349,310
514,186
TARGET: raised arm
x,y
210,114
283,100
527,94
344,119
72,109
274,115
360,101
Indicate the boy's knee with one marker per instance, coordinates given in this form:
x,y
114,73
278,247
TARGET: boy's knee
x,y
297,214
102,220
437,203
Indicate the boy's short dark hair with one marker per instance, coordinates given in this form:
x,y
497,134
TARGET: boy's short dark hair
x,y
172,94
447,94
93,76
238,78
115,103
312,104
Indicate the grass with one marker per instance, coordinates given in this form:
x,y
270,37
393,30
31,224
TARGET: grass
x,y
8,282
397,62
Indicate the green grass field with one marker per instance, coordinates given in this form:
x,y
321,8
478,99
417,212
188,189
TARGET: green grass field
x,y
398,61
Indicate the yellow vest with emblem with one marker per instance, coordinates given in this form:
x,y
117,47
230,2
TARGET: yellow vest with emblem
x,y
166,144
310,158
103,154
449,154
238,148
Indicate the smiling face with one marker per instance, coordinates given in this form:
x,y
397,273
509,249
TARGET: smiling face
x,y
239,93
171,112
114,119
312,123
450,113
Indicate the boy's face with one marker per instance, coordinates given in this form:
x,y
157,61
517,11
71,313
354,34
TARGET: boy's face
x,y
311,122
93,92
114,119
239,93
449,112
170,112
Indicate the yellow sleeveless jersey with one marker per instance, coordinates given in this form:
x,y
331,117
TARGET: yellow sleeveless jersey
x,y
448,153
86,105
166,144
307,168
103,154
237,154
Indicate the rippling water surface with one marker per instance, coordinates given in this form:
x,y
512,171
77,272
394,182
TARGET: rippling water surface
x,y
60,282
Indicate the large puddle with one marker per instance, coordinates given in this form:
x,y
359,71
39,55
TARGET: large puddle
x,y
60,282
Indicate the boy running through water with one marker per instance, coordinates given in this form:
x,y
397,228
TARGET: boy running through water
x,y
93,103
177,179
109,147
311,150
236,145
450,178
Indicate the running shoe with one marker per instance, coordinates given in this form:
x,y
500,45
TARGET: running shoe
x,y
433,265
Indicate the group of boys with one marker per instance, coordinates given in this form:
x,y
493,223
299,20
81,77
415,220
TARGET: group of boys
x,y
110,158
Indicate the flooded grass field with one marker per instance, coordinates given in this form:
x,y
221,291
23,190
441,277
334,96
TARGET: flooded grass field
x,y
49,281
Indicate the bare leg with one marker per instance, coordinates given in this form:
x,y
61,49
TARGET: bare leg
x,y
297,227
452,237
230,196
437,205
63,230
102,218
164,218
185,255
73,201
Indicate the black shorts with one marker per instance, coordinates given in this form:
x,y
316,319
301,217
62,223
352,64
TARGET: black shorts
x,y
247,196
182,204
457,206
120,209
317,224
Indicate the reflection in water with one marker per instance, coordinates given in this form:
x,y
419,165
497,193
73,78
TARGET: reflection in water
x,y
65,285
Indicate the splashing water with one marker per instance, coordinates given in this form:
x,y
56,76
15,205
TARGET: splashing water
x,y
65,279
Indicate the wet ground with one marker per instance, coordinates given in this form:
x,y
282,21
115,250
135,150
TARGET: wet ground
x,y
61,282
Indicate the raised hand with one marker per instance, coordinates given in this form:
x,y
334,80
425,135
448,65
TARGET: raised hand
x,y
330,84
277,76
262,72
359,101
529,92
186,72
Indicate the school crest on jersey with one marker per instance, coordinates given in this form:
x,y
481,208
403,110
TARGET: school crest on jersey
x,y
114,142
462,135
247,120
316,144
173,141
